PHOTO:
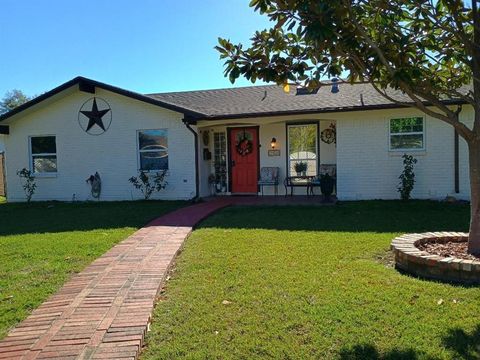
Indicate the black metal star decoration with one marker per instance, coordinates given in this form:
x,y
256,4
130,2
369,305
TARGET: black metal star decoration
x,y
95,116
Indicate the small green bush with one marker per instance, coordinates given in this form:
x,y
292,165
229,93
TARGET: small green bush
x,y
29,185
149,183
407,178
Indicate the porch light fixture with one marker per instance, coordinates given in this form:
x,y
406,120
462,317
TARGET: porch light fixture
x,y
273,143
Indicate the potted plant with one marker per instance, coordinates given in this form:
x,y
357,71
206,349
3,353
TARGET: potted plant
x,y
327,183
300,168
211,183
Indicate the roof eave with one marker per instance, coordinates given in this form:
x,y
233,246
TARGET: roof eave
x,y
318,111
87,85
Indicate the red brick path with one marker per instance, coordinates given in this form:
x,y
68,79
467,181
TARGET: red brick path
x,y
104,311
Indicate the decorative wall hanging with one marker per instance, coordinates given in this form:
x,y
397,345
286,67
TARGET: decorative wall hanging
x,y
329,135
96,184
95,116
244,145
206,137
207,155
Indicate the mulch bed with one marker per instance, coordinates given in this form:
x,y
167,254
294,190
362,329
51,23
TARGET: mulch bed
x,y
448,249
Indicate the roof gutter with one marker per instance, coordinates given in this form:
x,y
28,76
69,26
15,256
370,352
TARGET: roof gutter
x,y
316,111
188,122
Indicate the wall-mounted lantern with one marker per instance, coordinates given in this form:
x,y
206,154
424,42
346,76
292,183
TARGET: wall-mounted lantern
x,y
273,143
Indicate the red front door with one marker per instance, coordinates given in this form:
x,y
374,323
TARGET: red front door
x,y
244,159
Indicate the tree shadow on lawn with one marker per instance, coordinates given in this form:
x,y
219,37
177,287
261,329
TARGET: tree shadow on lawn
x,y
370,352
465,346
52,217
360,216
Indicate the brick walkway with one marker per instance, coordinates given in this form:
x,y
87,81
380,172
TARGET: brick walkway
x,y
104,311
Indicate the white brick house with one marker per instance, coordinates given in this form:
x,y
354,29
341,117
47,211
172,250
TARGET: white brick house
x,y
195,137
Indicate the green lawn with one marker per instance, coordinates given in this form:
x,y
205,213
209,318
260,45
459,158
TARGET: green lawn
x,y
313,283
42,244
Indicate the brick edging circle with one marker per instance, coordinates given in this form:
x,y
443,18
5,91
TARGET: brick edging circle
x,y
409,258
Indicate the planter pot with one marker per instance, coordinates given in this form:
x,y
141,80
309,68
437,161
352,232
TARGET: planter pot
x,y
299,173
326,186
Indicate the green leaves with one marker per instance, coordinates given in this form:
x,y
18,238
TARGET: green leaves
x,y
12,99
417,44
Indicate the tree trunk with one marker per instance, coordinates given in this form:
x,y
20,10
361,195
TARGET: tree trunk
x,y
474,237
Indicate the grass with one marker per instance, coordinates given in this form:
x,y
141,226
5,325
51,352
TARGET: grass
x,y
42,244
313,283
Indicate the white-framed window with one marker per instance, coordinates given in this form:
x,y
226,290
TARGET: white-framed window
x,y
153,149
303,148
407,133
43,154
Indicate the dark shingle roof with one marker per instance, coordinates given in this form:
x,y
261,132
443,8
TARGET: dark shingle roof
x,y
271,100
250,101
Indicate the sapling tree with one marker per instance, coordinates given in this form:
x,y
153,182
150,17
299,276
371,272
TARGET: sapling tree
x,y
428,51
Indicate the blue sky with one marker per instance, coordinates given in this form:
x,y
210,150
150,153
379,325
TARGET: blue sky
x,y
143,45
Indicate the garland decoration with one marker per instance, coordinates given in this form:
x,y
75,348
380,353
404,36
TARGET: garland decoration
x,y
329,135
244,146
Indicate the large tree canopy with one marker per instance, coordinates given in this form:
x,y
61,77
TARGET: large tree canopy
x,y
428,49
12,99
423,48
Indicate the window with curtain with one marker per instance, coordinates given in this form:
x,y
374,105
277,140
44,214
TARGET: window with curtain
x,y
153,149
302,148
43,154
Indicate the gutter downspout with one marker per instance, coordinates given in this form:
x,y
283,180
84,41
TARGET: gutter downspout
x,y
187,123
456,163
457,156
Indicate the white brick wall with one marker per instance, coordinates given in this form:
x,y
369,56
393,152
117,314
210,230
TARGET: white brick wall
x,y
113,154
368,170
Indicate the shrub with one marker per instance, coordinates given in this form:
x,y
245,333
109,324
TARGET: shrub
x,y
29,185
407,178
149,183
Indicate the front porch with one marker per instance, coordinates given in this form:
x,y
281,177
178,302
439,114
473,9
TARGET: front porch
x,y
232,155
